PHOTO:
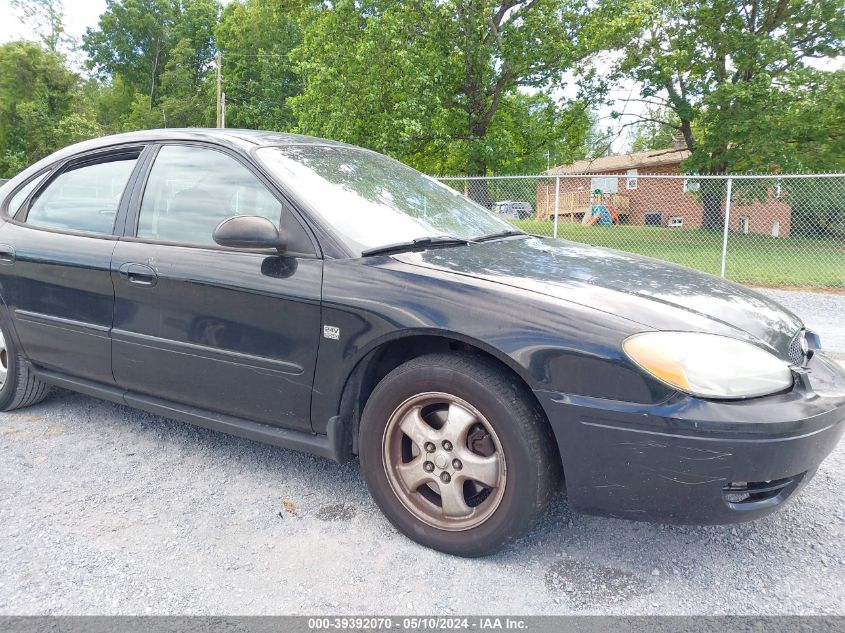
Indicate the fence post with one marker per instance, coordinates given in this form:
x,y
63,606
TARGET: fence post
x,y
557,203
727,225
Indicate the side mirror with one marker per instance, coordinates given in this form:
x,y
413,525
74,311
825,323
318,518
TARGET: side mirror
x,y
248,231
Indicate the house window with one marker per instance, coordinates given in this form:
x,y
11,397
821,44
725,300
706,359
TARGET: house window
x,y
776,228
607,184
743,224
676,221
777,189
631,181
691,185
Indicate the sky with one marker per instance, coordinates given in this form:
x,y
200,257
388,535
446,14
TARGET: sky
x,y
79,15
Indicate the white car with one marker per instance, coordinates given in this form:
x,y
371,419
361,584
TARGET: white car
x,y
515,210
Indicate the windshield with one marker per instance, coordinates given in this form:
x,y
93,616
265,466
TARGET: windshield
x,y
372,201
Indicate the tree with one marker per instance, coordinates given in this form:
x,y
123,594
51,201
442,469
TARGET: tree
x,y
41,108
528,132
412,78
132,40
46,18
255,38
657,132
729,72
142,41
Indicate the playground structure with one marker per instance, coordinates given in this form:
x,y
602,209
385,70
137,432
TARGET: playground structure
x,y
602,212
574,206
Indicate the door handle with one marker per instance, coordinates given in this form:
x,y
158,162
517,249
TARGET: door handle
x,y
7,254
139,274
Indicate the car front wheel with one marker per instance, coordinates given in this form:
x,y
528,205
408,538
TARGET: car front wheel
x,y
457,454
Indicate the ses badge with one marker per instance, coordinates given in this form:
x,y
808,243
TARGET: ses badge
x,y
331,332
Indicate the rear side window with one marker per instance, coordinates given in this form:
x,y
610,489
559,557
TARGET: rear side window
x,y
84,197
18,199
192,189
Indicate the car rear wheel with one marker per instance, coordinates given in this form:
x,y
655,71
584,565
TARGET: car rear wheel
x,y
457,454
19,387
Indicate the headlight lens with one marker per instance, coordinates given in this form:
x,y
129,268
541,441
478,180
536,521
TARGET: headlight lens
x,y
708,365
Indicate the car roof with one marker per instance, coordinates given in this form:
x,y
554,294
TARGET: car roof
x,y
253,137
232,137
236,138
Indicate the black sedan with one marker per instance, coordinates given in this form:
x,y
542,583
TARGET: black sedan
x,y
323,297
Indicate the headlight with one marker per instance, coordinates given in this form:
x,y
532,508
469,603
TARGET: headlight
x,y
708,365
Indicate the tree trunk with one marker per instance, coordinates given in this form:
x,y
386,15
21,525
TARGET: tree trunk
x,y
478,190
712,194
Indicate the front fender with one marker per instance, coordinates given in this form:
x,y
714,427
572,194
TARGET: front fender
x,y
550,344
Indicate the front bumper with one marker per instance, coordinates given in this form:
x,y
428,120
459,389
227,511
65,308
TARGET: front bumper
x,y
694,461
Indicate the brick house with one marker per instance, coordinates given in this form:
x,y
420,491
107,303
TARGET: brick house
x,y
668,202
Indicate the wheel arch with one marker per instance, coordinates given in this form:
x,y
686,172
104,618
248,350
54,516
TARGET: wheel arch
x,y
386,355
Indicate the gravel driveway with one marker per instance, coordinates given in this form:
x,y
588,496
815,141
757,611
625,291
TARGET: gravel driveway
x,y
107,510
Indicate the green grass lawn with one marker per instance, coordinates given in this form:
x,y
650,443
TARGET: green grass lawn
x,y
752,259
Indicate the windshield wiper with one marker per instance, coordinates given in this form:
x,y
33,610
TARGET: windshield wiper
x,y
496,236
419,243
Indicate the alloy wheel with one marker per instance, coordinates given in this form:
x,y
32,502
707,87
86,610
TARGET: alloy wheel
x,y
444,461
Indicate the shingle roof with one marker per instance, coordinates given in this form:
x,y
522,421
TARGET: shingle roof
x,y
653,158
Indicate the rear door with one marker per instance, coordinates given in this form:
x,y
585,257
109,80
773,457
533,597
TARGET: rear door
x,y
56,262
229,331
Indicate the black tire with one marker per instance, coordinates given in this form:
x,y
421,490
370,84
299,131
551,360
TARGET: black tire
x,y
531,470
21,388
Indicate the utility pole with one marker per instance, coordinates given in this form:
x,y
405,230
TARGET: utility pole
x,y
223,111
219,59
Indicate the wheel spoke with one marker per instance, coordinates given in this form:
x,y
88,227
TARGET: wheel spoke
x,y
412,474
416,428
458,422
452,499
484,470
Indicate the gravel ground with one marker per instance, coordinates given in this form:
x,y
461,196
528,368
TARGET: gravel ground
x,y
106,510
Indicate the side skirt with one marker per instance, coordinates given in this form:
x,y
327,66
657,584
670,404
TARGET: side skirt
x,y
334,445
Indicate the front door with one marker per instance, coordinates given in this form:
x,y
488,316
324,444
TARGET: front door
x,y
223,330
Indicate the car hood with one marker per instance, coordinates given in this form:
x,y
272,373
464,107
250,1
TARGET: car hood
x,y
656,294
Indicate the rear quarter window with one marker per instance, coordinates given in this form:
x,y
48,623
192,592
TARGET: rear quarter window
x,y
22,194
84,197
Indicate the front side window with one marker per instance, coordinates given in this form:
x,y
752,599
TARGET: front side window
x,y
370,200
84,197
192,189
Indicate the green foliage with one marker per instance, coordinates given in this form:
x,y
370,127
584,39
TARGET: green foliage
x,y
451,86
657,131
157,56
41,106
437,84
256,38
132,40
733,75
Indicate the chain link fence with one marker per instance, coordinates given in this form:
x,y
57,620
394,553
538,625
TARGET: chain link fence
x,y
772,230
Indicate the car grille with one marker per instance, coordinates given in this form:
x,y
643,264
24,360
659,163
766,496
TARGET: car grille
x,y
796,350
